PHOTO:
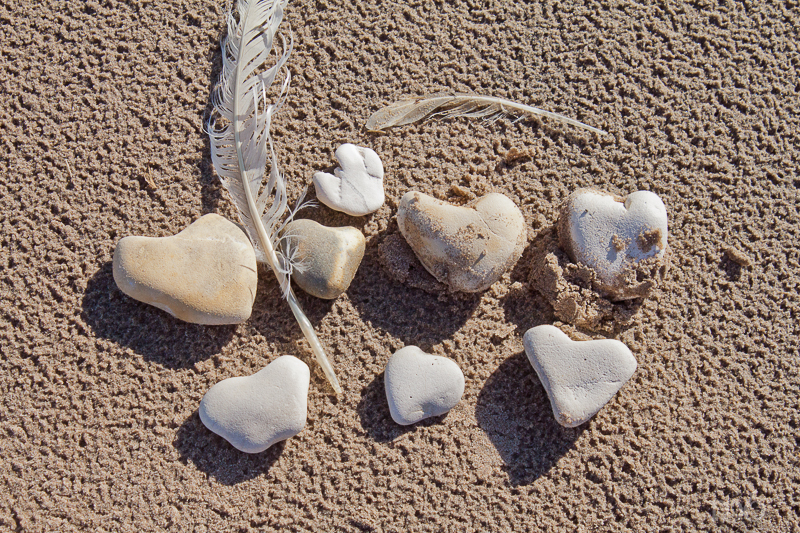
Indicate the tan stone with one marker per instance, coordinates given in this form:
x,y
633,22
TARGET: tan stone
x,y
469,247
206,274
329,257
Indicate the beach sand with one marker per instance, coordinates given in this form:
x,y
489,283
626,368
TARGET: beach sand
x,y
102,106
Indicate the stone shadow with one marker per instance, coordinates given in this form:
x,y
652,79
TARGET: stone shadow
x,y
216,457
415,316
376,420
146,330
514,411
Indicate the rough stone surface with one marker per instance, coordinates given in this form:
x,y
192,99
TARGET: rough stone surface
x,y
420,385
329,256
579,377
466,247
255,412
623,240
356,185
206,274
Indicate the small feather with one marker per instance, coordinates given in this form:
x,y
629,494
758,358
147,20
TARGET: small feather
x,y
490,108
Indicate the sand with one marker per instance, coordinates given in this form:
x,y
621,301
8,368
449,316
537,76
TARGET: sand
x,y
101,122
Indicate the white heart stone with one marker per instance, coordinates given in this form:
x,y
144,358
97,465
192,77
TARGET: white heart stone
x,y
356,188
580,377
623,240
421,385
469,247
206,274
329,257
255,412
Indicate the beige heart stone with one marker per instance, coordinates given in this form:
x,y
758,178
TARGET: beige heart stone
x,y
206,274
469,247
329,257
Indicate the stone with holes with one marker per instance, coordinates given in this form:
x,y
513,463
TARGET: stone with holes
x,y
622,240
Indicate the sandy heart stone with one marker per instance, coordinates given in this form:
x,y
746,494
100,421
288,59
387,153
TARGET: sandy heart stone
x,y
580,377
255,412
356,186
328,257
468,248
420,385
206,274
623,240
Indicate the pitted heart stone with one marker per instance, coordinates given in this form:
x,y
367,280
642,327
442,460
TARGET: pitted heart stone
x,y
329,257
206,274
623,240
420,385
580,377
468,248
356,186
255,412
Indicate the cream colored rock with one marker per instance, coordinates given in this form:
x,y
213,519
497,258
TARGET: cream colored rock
x,y
623,240
356,185
467,248
254,412
329,257
420,385
206,274
580,377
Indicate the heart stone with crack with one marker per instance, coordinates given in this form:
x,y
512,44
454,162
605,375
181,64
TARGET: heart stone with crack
x,y
356,185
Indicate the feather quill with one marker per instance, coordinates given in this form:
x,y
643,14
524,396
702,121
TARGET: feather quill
x,y
242,147
460,105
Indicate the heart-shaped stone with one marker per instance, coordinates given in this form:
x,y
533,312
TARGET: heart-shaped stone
x,y
356,186
327,258
623,240
206,274
421,385
467,248
255,412
580,377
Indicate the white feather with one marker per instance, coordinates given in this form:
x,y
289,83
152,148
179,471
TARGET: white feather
x,y
241,145
489,108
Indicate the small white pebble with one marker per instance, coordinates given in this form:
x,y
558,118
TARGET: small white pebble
x,y
421,385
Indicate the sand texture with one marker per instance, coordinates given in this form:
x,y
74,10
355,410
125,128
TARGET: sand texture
x,y
102,105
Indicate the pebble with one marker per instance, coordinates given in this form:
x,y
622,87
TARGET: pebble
x,y
329,257
206,274
421,385
356,185
255,412
580,377
623,240
467,248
